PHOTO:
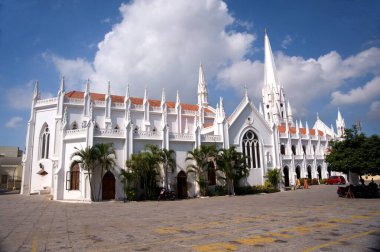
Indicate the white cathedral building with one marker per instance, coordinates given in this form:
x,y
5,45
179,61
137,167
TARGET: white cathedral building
x,y
268,135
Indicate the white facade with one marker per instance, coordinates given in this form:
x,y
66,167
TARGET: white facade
x,y
77,119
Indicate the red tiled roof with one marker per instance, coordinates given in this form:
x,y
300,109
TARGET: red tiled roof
x,y
281,129
134,100
292,130
303,131
206,125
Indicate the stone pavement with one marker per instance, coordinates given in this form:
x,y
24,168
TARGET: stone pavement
x,y
303,220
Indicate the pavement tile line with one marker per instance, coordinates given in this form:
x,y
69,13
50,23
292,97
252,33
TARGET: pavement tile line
x,y
217,224
338,241
296,231
253,240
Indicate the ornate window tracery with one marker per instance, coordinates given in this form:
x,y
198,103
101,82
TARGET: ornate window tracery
x,y
251,149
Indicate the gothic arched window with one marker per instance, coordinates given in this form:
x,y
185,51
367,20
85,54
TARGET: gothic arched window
x,y
251,149
45,140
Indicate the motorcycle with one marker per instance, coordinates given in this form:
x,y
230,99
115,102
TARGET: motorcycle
x,y
166,195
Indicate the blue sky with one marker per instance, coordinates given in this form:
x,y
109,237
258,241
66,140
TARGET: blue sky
x,y
327,53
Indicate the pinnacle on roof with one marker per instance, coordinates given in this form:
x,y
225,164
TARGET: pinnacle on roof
x,y
270,73
87,86
109,88
145,95
62,87
126,94
35,91
163,99
178,101
290,113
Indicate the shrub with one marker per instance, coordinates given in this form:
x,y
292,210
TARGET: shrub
x,y
220,190
322,181
274,177
245,190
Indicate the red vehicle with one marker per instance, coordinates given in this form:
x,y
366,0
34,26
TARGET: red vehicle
x,y
333,180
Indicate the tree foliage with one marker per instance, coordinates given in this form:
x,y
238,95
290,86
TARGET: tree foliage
x,y
106,159
201,158
87,159
233,167
164,158
356,153
274,177
145,171
90,158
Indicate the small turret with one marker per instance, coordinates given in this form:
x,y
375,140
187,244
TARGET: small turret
x,y
202,88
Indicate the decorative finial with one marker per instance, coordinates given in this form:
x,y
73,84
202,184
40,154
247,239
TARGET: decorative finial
x,y
109,88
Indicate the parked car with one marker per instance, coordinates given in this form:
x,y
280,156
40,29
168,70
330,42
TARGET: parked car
x,y
333,180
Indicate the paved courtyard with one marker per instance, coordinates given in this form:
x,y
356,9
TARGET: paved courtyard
x,y
302,220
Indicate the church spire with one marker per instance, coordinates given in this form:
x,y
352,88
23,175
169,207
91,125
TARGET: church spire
x,y
202,88
270,75
340,124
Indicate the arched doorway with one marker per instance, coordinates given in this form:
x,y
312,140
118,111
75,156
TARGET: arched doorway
x,y
286,175
309,172
319,169
108,186
298,172
181,185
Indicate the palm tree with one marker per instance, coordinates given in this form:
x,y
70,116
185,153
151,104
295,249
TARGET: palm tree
x,y
201,158
87,158
163,157
106,159
234,167
128,179
144,167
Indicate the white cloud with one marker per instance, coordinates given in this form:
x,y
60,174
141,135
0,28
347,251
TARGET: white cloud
x,y
75,71
286,42
160,44
20,97
374,112
14,122
358,95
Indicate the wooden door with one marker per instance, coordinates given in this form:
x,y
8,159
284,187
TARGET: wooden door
x,y
108,186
